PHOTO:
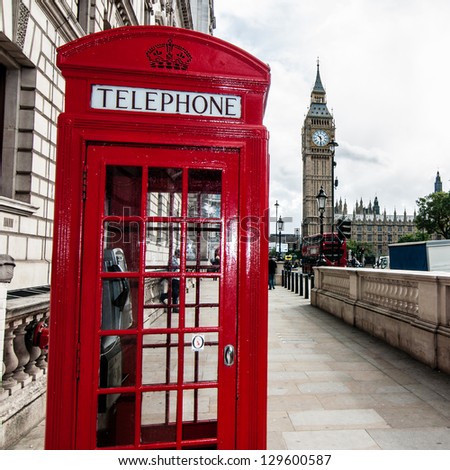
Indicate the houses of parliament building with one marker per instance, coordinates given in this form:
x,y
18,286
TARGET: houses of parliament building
x,y
369,225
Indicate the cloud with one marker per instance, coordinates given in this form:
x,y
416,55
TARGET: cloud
x,y
385,69
358,154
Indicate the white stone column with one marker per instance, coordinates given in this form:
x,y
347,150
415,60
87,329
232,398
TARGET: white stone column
x,y
7,265
3,291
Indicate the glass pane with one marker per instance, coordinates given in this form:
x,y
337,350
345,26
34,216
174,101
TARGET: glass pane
x,y
117,361
160,359
200,404
119,303
162,242
121,247
158,416
204,193
200,364
157,315
115,423
123,190
202,302
203,247
164,192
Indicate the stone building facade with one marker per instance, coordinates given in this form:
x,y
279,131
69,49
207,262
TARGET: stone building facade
x,y
31,99
373,227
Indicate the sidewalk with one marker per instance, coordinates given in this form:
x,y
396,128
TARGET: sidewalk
x,y
334,387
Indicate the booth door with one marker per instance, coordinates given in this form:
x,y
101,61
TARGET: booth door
x,y
158,299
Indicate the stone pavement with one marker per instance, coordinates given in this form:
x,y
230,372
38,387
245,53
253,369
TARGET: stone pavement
x,y
334,387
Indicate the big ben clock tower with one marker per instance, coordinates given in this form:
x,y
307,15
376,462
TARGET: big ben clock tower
x,y
317,155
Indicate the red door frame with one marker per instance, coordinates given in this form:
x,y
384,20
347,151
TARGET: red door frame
x,y
89,327
220,68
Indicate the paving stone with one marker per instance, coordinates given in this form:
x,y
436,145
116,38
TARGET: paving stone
x,y
337,419
435,438
330,440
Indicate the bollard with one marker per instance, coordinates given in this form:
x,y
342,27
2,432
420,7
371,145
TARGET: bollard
x,y
301,284
288,284
292,281
312,281
282,278
306,287
296,283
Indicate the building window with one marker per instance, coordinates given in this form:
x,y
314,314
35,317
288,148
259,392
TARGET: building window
x,y
17,96
2,110
83,14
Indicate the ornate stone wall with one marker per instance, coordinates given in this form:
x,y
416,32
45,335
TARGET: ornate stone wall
x,y
408,309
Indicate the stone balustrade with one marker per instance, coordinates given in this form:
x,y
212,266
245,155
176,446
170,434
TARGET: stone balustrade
x,y
24,366
408,309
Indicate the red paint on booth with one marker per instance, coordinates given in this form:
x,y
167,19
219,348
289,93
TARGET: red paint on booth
x,y
162,163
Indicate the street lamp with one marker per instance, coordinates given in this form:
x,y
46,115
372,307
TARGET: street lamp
x,y
334,182
321,204
276,220
280,223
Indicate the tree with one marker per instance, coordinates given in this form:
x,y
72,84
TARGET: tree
x,y
414,237
434,214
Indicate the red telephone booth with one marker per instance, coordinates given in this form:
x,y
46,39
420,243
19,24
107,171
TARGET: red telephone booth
x,y
158,331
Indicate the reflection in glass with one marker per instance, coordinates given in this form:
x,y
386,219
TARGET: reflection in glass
x,y
123,190
162,241
200,404
157,311
115,423
201,366
121,247
117,361
119,303
158,416
202,302
164,192
204,193
160,359
203,242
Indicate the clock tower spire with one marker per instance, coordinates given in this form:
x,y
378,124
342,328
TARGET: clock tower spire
x,y
318,135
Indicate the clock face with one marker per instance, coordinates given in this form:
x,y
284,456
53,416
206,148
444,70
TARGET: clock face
x,y
320,138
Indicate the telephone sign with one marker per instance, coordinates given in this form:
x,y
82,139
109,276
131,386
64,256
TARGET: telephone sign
x,y
165,101
158,328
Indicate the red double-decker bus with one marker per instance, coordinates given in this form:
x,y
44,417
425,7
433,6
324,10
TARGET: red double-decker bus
x,y
334,251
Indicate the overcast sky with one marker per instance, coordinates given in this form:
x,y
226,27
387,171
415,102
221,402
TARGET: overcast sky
x,y
385,65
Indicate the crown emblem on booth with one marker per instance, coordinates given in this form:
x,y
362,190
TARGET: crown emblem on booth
x,y
169,56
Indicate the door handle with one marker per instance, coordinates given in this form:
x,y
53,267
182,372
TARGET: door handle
x,y
228,355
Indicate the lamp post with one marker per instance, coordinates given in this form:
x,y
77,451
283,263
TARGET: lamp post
x,y
332,146
334,182
276,222
280,223
321,204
